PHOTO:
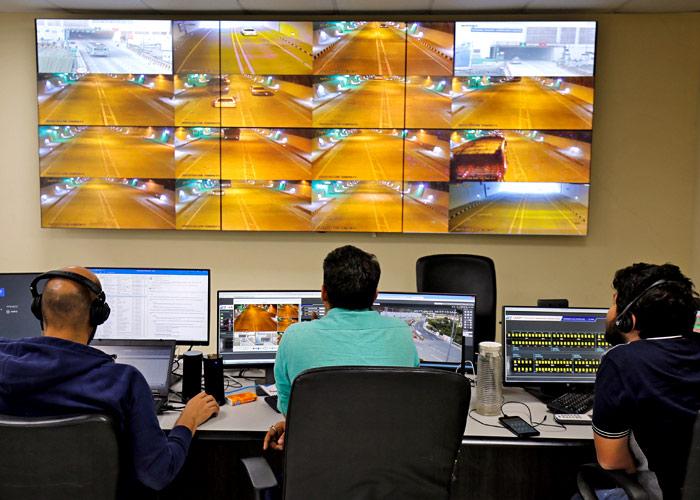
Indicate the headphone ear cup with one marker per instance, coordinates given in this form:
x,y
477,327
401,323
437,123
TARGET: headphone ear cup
x,y
99,312
624,323
36,308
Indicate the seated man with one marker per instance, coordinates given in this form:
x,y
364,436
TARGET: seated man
x,y
648,386
350,333
59,374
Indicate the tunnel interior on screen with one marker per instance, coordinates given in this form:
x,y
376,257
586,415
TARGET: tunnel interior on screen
x,y
363,126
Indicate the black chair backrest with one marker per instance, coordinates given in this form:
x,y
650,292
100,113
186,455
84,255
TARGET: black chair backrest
x,y
373,433
58,458
463,273
691,486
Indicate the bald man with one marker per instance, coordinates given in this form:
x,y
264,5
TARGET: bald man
x,y
60,374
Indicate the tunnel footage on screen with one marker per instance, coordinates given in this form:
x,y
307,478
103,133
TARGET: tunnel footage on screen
x,y
360,126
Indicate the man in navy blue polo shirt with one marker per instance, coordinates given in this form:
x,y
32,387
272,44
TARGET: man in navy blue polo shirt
x,y
648,386
60,374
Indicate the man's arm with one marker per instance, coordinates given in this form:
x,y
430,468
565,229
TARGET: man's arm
x,y
612,417
614,454
158,458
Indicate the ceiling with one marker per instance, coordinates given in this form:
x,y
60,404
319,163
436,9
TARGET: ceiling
x,y
345,6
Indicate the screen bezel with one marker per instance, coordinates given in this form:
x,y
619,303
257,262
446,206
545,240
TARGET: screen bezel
x,y
541,383
177,342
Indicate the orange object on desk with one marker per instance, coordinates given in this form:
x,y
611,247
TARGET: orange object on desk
x,y
243,397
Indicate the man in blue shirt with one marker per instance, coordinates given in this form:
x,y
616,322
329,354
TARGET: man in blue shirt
x,y
350,333
648,386
60,374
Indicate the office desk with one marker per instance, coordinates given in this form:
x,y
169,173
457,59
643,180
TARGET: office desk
x,y
493,463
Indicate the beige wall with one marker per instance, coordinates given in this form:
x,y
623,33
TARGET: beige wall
x,y
646,169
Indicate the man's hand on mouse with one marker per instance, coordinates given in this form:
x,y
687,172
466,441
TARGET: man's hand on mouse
x,y
198,410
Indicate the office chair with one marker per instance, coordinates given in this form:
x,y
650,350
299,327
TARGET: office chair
x,y
591,476
58,458
463,273
370,433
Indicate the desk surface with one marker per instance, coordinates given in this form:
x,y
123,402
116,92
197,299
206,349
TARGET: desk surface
x,y
257,417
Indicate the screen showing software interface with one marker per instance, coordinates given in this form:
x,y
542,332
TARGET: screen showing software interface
x,y
16,318
251,324
553,345
439,323
152,361
156,304
696,328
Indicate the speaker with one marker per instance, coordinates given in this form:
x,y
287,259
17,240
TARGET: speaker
x,y
214,377
191,374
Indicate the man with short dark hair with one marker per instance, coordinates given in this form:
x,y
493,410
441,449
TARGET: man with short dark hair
x,y
350,334
60,374
648,386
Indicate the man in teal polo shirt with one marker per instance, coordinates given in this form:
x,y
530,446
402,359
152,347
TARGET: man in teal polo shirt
x,y
350,334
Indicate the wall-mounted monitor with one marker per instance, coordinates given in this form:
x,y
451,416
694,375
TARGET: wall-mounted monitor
x,y
414,126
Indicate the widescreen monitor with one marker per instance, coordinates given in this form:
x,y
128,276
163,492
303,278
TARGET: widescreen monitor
x,y
251,323
16,318
553,345
417,125
156,304
696,328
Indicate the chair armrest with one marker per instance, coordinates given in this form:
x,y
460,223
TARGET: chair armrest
x,y
592,476
259,472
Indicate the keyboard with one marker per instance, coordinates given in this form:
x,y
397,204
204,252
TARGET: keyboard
x,y
572,402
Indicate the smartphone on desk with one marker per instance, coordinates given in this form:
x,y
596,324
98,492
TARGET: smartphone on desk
x,y
518,426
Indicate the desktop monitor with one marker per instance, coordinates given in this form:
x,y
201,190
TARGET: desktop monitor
x,y
696,328
442,324
16,318
548,346
156,304
251,323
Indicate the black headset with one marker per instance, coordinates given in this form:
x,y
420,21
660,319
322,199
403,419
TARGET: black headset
x,y
624,321
99,309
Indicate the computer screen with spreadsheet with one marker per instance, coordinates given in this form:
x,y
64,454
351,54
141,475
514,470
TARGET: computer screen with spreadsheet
x,y
553,345
156,304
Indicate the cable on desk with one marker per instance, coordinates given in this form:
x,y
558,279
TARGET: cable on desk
x,y
232,382
467,364
529,412
483,423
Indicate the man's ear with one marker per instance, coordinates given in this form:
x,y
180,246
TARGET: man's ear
x,y
324,293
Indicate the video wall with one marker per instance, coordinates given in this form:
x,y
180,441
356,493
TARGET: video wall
x,y
359,126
